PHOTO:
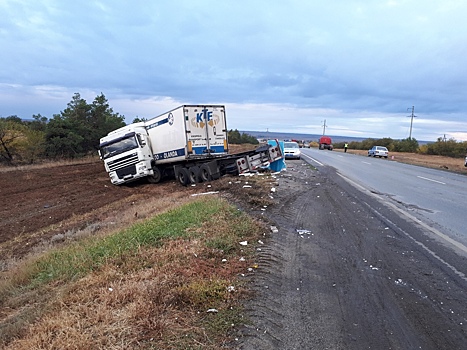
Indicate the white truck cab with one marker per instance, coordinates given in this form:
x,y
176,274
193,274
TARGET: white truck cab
x,y
126,154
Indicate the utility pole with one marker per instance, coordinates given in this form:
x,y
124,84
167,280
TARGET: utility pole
x,y
324,127
411,121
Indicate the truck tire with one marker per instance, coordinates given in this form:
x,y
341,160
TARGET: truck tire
x,y
183,176
205,174
157,177
195,174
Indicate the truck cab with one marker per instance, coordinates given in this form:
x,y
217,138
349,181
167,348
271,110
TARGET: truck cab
x,y
126,154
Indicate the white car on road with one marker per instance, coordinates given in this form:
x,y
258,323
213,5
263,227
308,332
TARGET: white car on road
x,y
291,150
378,151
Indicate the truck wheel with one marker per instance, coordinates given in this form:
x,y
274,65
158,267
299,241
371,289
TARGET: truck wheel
x,y
195,174
157,177
183,176
205,175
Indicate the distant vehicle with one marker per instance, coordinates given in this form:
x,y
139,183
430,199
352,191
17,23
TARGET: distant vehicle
x,y
378,151
325,143
291,150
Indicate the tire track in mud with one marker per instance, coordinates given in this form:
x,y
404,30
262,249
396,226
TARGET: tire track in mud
x,y
351,282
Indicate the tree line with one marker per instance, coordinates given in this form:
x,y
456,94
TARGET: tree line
x,y
73,133
442,147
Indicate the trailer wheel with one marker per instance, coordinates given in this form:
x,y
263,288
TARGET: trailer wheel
x,y
195,174
183,176
205,175
157,177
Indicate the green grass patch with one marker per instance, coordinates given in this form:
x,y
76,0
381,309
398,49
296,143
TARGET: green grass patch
x,y
167,265
89,255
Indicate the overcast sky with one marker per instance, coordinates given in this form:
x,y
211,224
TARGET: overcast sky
x,y
277,65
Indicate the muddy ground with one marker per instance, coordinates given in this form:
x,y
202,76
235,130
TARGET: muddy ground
x,y
334,276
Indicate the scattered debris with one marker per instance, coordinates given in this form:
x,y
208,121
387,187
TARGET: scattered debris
x,y
274,229
212,310
202,194
244,243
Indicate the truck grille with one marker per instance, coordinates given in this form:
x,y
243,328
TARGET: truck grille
x,y
124,164
129,170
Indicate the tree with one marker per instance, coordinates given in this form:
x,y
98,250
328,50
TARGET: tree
x,y
235,137
32,146
10,133
77,130
139,120
39,123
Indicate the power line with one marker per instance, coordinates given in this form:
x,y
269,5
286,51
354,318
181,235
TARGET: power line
x,y
324,127
411,121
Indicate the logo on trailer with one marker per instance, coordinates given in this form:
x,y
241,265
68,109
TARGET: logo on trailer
x,y
170,119
205,117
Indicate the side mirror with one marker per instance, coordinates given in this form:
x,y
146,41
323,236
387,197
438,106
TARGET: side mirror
x,y
141,140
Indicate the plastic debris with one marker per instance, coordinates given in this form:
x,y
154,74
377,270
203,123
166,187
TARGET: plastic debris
x,y
212,310
303,232
224,260
273,189
260,242
244,243
274,229
246,186
111,289
241,259
230,289
202,194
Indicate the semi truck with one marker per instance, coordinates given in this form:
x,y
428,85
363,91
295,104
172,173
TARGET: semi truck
x,y
325,143
189,143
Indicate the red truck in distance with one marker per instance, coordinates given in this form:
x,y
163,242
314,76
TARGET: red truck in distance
x,y
325,142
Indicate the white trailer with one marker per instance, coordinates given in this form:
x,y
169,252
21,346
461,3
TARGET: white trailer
x,y
189,142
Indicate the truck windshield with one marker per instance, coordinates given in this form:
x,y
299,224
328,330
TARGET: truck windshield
x,y
119,146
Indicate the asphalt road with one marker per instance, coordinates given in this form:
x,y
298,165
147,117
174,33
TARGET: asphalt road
x,y
352,266
435,197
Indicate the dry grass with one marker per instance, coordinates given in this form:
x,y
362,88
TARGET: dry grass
x,y
155,298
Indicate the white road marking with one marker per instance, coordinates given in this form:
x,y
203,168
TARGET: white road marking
x,y
314,160
442,236
367,163
425,178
